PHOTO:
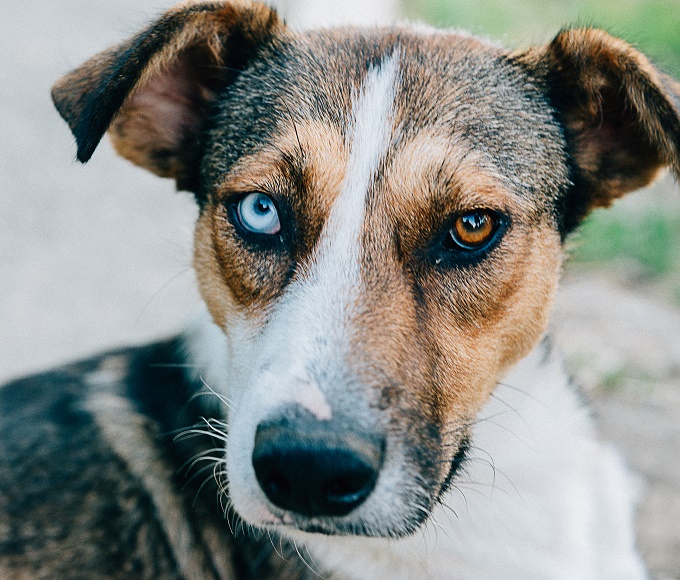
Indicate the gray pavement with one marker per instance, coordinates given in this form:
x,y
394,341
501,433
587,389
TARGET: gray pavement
x,y
90,256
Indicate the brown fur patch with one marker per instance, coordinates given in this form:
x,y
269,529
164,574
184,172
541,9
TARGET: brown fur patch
x,y
442,337
302,169
622,116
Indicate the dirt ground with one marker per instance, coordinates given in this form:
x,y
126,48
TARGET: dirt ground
x,y
98,256
624,348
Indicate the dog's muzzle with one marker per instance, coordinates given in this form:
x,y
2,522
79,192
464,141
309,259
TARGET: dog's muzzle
x,y
315,468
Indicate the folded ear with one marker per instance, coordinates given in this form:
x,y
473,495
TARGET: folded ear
x,y
620,115
154,92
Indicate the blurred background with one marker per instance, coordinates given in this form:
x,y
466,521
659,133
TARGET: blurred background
x,y
98,256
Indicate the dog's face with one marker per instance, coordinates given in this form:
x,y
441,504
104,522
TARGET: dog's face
x,y
381,227
377,252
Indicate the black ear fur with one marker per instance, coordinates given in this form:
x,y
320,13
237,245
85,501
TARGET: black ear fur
x,y
621,117
89,97
205,42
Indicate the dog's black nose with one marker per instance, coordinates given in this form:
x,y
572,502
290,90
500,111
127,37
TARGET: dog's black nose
x,y
313,468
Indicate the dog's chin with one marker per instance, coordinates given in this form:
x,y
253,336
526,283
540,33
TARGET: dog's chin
x,y
359,528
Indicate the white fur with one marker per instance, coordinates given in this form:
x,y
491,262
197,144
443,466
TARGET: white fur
x,y
310,326
208,351
338,254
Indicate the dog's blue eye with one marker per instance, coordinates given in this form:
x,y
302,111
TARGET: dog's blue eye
x,y
257,213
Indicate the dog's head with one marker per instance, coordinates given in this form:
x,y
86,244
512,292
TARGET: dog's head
x,y
382,214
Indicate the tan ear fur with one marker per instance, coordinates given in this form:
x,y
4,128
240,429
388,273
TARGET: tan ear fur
x,y
621,116
155,90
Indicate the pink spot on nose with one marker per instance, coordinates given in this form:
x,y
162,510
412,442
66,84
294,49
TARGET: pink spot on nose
x,y
311,398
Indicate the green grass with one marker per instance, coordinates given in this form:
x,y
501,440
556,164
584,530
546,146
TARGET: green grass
x,y
632,380
650,238
652,25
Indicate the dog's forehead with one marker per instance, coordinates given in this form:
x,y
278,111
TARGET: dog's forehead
x,y
468,93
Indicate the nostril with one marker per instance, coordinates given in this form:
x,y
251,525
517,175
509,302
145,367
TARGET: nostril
x,y
349,490
308,467
275,485
341,488
349,483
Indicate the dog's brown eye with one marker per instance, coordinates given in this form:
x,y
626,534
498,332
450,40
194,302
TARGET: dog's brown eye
x,y
471,230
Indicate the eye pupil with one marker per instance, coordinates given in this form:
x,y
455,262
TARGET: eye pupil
x,y
262,207
257,213
474,222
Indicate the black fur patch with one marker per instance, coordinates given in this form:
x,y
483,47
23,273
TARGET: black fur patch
x,y
70,507
68,504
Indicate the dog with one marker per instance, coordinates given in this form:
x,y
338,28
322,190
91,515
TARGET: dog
x,y
371,393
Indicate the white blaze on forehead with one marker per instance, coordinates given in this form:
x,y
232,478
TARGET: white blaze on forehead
x,y
309,326
368,140
313,318
307,335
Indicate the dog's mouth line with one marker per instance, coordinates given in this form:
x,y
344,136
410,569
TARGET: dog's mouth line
x,y
455,467
358,529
